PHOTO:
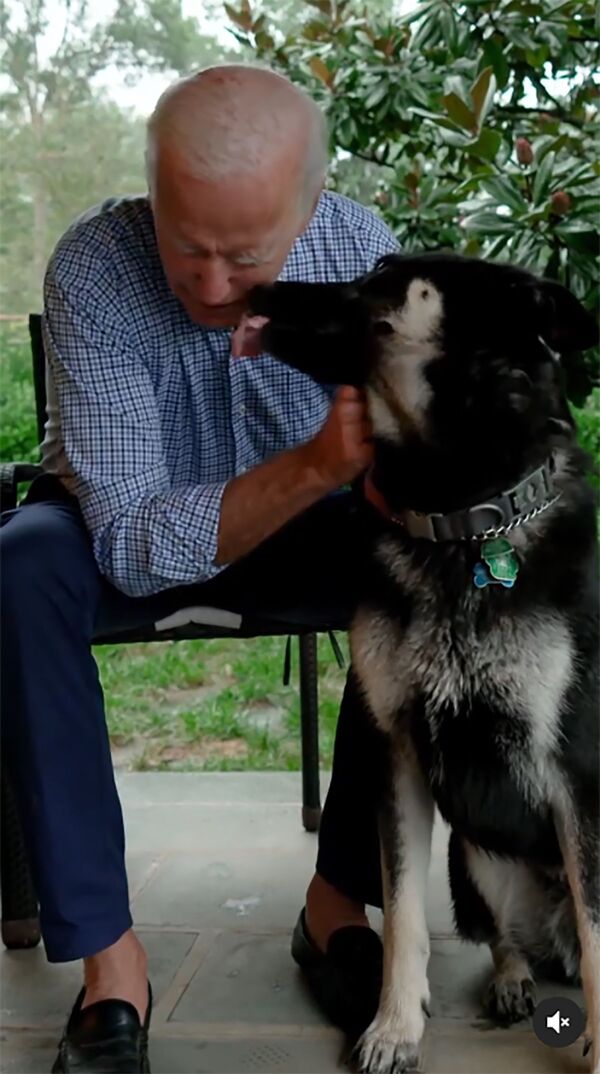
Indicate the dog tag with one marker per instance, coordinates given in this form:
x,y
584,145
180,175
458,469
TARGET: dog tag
x,y
482,577
501,560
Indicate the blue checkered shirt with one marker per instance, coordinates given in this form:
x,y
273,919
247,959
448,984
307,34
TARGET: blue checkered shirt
x,y
149,417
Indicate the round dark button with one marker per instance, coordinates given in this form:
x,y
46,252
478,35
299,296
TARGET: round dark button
x,y
558,1022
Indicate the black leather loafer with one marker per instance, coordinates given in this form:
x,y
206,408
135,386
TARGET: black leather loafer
x,y
105,1038
346,981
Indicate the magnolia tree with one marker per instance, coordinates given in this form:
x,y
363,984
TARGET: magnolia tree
x,y
468,125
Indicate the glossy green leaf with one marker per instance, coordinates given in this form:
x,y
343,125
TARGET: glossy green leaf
x,y
573,226
505,192
376,96
440,121
493,54
583,241
448,27
489,223
543,178
459,111
454,138
493,249
487,144
482,93
425,35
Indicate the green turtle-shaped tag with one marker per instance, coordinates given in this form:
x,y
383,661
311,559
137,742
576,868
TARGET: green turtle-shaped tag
x,y
501,559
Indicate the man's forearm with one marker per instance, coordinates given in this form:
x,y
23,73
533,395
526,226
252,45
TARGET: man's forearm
x,y
256,504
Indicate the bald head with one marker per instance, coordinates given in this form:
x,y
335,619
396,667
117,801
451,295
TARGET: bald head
x,y
238,120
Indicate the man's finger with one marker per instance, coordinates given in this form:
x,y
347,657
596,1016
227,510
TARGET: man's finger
x,y
351,406
348,394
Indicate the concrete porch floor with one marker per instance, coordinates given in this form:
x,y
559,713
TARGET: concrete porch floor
x,y
218,864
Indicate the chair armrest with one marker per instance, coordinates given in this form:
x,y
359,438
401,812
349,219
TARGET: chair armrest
x,y
13,474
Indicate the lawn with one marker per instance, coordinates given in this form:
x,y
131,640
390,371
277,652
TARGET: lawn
x,y
211,705
200,704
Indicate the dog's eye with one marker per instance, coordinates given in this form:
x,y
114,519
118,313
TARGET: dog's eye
x,y
424,293
383,262
383,328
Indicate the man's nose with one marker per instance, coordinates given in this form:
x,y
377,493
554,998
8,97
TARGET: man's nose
x,y
212,284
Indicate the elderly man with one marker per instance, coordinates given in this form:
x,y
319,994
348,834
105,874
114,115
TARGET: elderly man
x,y
176,476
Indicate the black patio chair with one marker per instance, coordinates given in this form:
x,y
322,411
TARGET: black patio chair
x,y
20,926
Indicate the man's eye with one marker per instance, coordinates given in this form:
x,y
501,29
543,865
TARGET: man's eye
x,y
247,262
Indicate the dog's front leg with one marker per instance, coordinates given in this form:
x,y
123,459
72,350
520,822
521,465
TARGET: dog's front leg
x,y
579,837
391,1043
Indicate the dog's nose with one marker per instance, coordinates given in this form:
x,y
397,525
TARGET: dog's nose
x,y
383,328
260,298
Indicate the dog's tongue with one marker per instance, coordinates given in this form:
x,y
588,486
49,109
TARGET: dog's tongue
x,y
245,341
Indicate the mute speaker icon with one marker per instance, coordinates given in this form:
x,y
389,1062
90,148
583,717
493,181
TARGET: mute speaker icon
x,y
554,1022
558,1021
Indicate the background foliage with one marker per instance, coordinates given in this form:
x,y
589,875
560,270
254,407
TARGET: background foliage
x,y
475,123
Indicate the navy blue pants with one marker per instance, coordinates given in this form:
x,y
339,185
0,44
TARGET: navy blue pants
x,y
54,602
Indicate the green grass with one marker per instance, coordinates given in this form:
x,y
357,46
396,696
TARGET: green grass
x,y
211,705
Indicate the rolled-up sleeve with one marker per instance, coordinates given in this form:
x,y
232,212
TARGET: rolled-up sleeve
x,y
148,534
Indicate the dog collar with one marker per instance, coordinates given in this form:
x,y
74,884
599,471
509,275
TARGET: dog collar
x,y
498,515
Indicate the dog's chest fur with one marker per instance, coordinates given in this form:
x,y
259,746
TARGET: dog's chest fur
x,y
500,678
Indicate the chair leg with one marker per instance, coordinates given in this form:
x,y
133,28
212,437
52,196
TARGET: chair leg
x,y
20,922
309,715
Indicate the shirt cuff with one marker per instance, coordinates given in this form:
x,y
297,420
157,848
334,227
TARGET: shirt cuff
x,y
197,525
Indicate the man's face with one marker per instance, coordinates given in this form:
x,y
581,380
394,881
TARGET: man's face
x,y
217,241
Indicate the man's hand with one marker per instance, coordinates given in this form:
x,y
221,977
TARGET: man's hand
x,y
256,504
343,448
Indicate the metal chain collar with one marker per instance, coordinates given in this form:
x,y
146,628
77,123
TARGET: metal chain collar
x,y
520,520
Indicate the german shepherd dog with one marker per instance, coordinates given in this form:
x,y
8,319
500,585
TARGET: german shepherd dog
x,y
475,642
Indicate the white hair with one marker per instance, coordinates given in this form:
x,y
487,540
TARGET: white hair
x,y
235,119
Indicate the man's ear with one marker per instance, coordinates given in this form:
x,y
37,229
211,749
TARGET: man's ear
x,y
320,329
564,323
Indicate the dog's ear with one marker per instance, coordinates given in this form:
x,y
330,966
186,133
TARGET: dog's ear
x,y
564,323
568,328
320,329
552,312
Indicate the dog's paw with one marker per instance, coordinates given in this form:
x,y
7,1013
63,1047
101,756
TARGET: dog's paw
x,y
510,998
391,1046
377,1053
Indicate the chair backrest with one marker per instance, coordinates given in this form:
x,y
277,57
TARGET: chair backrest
x,y
39,371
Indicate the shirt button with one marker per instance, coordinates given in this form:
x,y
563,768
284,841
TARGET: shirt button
x,y
242,409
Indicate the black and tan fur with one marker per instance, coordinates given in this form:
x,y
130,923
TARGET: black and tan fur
x,y
489,697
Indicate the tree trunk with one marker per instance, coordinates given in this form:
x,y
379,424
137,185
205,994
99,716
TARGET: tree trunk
x,y
40,202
